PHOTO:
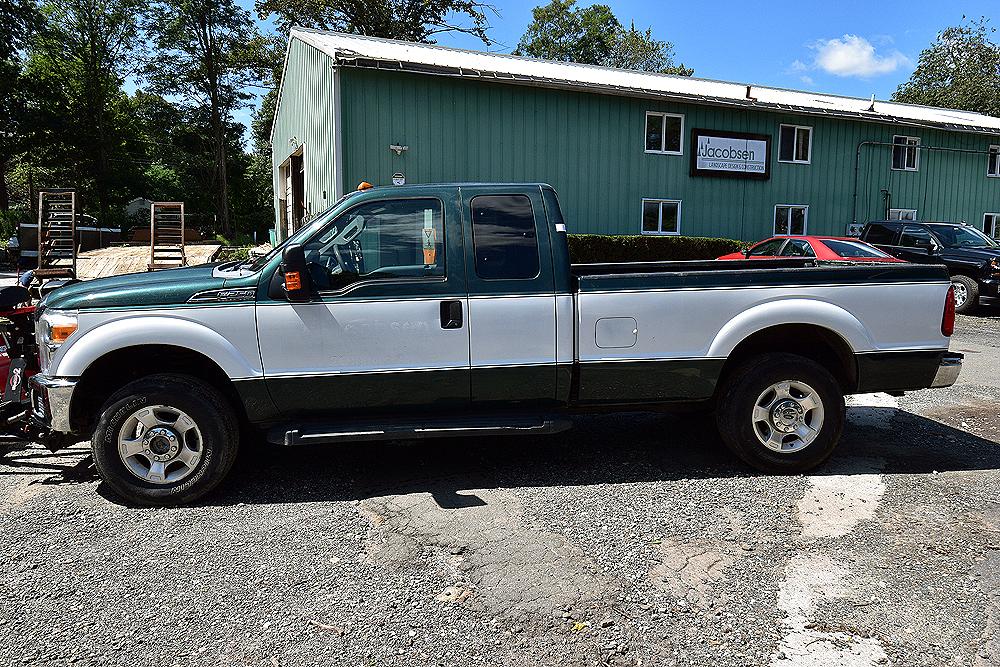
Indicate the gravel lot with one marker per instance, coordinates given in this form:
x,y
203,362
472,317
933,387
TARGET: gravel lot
x,y
630,540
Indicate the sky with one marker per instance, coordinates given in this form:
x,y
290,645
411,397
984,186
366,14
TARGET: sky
x,y
847,47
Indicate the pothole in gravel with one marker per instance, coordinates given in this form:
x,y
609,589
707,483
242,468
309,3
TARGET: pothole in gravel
x,y
506,567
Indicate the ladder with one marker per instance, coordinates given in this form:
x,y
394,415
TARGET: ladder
x,y
56,234
166,235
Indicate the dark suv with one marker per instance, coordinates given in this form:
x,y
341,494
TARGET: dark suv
x,y
972,258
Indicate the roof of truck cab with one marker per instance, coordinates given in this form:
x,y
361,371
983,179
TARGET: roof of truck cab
x,y
432,59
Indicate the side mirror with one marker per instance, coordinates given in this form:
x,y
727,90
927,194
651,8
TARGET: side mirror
x,y
296,273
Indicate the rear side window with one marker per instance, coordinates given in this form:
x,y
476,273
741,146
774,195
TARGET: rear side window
x,y
852,249
880,234
503,237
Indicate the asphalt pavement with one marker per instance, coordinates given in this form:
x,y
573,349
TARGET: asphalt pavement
x,y
629,540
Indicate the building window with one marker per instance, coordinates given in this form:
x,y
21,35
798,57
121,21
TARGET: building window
x,y
795,144
905,153
790,220
903,214
991,225
661,216
664,133
993,165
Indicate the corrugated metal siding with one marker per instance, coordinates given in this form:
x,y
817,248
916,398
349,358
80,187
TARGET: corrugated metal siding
x,y
590,147
306,114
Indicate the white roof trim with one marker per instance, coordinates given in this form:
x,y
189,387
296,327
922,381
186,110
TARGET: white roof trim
x,y
349,49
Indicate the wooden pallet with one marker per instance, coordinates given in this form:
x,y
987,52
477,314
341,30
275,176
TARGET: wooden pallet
x,y
56,234
166,235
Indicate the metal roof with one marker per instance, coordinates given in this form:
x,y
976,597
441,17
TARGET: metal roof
x,y
374,52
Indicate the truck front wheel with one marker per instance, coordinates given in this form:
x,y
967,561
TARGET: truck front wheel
x,y
781,413
165,440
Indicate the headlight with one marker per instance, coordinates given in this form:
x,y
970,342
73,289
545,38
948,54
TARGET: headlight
x,y
56,326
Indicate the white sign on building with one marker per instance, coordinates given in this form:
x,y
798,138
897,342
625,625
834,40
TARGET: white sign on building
x,y
730,154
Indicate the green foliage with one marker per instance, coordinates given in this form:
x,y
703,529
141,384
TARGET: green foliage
x,y
409,20
960,70
10,221
594,248
233,253
79,126
594,35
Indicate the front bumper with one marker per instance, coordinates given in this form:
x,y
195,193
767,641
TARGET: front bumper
x,y
989,291
948,370
50,401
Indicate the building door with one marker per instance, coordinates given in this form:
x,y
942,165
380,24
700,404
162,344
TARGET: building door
x,y
297,190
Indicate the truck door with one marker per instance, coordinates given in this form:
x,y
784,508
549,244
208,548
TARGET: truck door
x,y
512,304
386,327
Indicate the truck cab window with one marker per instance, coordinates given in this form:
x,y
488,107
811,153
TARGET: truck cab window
x,y
916,237
503,235
378,240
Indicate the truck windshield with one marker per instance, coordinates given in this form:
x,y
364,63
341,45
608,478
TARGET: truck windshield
x,y
257,263
961,236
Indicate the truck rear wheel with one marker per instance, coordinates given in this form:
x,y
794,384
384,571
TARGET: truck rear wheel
x,y
966,293
781,413
165,440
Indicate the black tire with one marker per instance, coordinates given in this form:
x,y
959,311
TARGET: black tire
x,y
971,290
207,408
738,397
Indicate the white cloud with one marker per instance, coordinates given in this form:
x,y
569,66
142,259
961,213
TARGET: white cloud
x,y
852,55
806,79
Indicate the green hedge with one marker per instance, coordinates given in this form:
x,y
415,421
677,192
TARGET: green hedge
x,y
594,248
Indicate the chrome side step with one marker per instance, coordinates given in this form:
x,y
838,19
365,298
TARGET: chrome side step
x,y
328,433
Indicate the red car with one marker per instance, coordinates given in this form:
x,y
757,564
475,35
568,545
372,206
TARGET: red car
x,y
820,247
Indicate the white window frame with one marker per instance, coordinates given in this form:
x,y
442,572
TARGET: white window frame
x,y
989,153
663,142
996,224
805,220
659,226
907,146
900,211
795,138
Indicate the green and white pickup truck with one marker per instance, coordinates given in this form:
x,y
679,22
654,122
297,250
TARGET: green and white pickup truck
x,y
440,310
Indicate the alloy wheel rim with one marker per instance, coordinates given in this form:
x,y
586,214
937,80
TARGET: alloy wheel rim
x,y
788,416
961,294
160,444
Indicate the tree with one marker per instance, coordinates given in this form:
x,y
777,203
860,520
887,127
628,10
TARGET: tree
x,y
410,20
960,70
76,66
208,54
593,35
19,20
635,49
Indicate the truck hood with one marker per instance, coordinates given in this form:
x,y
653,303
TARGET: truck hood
x,y
155,288
970,254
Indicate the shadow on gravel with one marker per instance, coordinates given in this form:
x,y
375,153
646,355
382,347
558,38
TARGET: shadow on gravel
x,y
598,450
67,467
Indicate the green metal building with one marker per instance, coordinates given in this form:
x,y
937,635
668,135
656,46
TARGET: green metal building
x,y
628,152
